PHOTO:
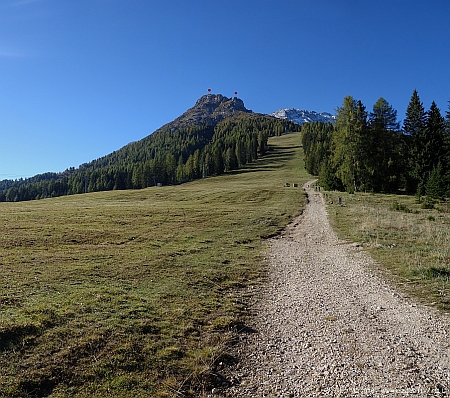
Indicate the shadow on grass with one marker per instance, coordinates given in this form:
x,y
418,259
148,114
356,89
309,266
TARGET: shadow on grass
x,y
38,388
438,272
241,328
273,160
15,334
434,273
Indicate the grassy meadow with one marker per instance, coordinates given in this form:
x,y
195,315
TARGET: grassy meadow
x,y
137,293
409,240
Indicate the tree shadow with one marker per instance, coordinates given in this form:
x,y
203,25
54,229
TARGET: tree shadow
x,y
273,160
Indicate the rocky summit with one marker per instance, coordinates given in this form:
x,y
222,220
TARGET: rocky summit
x,y
209,110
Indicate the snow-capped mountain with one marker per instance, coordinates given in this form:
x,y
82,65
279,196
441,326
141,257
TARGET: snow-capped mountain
x,y
300,116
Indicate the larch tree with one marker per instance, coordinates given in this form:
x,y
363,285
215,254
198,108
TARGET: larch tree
x,y
348,143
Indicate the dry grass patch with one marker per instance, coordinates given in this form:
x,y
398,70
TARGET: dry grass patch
x,y
408,240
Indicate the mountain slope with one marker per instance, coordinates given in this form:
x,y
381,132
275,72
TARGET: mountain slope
x,y
216,135
299,116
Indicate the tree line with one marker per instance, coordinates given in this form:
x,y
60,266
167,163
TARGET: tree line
x,y
168,156
369,151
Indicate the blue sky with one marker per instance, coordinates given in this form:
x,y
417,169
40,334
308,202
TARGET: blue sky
x,y
80,79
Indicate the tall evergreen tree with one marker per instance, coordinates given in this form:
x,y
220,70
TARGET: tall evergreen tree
x,y
434,139
447,150
217,160
382,147
435,187
189,168
447,119
179,172
416,116
413,128
170,167
231,162
240,153
429,148
196,165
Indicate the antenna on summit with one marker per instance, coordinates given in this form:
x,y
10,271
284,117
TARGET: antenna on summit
x,y
235,93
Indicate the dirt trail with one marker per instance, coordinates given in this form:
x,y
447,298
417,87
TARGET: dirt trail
x,y
326,325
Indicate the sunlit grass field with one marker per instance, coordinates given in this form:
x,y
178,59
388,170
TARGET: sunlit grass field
x,y
410,242
137,293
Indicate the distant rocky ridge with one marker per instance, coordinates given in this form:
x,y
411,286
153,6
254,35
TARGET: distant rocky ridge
x,y
210,109
301,116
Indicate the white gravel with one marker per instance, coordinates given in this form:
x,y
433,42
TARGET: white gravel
x,y
327,325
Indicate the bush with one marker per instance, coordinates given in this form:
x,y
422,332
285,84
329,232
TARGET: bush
x,y
400,207
427,203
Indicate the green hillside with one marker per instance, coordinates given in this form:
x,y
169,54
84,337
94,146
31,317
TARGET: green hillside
x,y
137,293
213,137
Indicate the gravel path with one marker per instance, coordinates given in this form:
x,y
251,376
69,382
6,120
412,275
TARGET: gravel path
x,y
326,325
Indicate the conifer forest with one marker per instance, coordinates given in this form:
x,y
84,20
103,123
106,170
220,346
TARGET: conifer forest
x,y
168,156
371,152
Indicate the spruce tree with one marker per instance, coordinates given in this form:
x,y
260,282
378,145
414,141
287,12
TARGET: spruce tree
x,y
413,128
416,116
429,148
446,162
434,187
434,138
447,137
383,147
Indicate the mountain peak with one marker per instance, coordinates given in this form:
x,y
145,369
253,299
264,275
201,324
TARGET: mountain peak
x,y
215,100
301,116
210,109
